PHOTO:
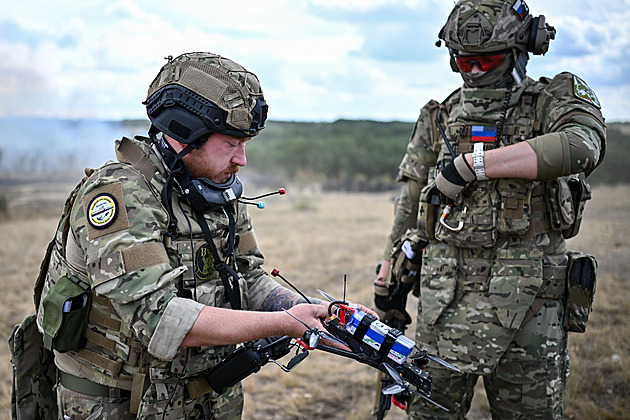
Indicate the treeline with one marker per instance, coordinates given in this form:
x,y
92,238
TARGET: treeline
x,y
343,155
364,155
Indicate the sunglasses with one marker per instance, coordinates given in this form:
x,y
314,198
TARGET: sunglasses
x,y
485,62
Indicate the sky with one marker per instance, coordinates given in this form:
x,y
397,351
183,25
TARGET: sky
x,y
318,60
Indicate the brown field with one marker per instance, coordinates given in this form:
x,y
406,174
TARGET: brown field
x,y
315,239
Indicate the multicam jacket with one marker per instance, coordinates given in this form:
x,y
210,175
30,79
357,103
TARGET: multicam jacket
x,y
143,298
501,245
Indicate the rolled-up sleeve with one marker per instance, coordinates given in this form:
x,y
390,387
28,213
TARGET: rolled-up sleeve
x,y
178,318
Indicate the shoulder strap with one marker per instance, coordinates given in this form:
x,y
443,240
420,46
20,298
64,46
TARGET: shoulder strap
x,y
137,158
61,236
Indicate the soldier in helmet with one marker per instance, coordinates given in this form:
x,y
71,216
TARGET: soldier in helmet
x,y
155,274
494,183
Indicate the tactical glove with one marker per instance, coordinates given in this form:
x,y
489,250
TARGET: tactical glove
x,y
455,177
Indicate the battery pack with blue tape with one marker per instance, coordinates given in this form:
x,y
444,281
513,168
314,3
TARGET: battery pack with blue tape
x,y
386,340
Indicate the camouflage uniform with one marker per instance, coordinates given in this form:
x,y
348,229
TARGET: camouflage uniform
x,y
143,301
493,276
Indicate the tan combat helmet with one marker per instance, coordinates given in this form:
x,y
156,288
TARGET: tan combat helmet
x,y
200,93
481,26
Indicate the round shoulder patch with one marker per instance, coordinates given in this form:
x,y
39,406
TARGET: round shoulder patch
x,y
584,92
102,211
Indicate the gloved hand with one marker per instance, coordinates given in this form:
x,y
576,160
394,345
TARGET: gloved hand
x,y
455,177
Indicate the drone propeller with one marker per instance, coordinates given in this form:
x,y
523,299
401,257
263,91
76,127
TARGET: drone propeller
x,y
422,354
327,296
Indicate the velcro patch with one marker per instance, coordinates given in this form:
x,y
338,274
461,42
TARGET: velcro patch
x,y
582,91
105,211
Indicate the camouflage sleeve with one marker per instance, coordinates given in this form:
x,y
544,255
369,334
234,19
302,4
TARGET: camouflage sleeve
x,y
405,215
250,259
568,106
118,222
420,156
414,172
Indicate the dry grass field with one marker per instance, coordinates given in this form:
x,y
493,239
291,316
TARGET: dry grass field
x,y
315,239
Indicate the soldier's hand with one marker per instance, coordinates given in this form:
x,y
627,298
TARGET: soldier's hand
x,y
455,177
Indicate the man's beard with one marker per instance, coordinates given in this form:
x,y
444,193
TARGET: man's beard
x,y
211,175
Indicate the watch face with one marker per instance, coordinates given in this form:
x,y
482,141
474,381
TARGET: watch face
x,y
102,211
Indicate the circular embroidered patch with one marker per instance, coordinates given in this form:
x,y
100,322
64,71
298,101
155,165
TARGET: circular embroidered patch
x,y
204,262
102,211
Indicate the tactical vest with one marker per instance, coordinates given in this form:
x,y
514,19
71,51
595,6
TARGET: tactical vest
x,y
509,207
107,352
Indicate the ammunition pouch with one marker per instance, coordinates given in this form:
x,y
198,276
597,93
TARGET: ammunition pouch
x,y
581,279
515,210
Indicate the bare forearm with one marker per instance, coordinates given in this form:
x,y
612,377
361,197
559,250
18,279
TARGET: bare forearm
x,y
515,161
220,326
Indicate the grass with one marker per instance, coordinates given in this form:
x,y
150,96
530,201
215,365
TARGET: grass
x,y
315,239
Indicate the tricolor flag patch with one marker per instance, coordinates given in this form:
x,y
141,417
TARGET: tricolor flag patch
x,y
482,133
520,8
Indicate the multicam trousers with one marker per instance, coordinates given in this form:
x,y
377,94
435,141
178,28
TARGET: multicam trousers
x,y
527,383
77,406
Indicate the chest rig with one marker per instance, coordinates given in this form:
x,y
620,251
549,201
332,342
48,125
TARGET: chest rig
x,y
489,209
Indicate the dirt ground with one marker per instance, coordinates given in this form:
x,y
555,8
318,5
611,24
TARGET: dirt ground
x,y
315,239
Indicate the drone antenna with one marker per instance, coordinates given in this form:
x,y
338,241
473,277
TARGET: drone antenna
x,y
344,286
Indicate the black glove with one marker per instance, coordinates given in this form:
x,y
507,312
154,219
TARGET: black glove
x,y
455,176
391,305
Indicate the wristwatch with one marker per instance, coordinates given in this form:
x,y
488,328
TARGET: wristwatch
x,y
478,162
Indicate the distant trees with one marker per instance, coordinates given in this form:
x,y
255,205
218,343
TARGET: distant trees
x,y
345,154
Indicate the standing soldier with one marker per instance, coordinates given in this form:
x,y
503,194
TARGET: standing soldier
x,y
154,274
493,185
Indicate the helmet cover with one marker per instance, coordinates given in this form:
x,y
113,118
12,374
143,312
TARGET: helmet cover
x,y
197,94
487,25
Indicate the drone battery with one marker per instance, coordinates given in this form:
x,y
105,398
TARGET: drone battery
x,y
373,332
402,348
367,328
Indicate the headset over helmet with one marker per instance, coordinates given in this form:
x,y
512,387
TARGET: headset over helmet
x,y
197,94
482,26
487,27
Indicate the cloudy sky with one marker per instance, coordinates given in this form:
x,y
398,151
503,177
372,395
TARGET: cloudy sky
x,y
318,60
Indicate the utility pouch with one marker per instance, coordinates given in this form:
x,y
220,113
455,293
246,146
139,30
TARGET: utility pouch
x,y
429,202
515,208
34,374
560,204
581,279
580,194
65,315
472,221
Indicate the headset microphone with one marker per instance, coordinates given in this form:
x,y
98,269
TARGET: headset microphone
x,y
260,204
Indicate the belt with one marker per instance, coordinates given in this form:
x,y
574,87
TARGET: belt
x,y
85,386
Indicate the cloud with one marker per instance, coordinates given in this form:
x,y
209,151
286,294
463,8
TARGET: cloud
x,y
317,59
